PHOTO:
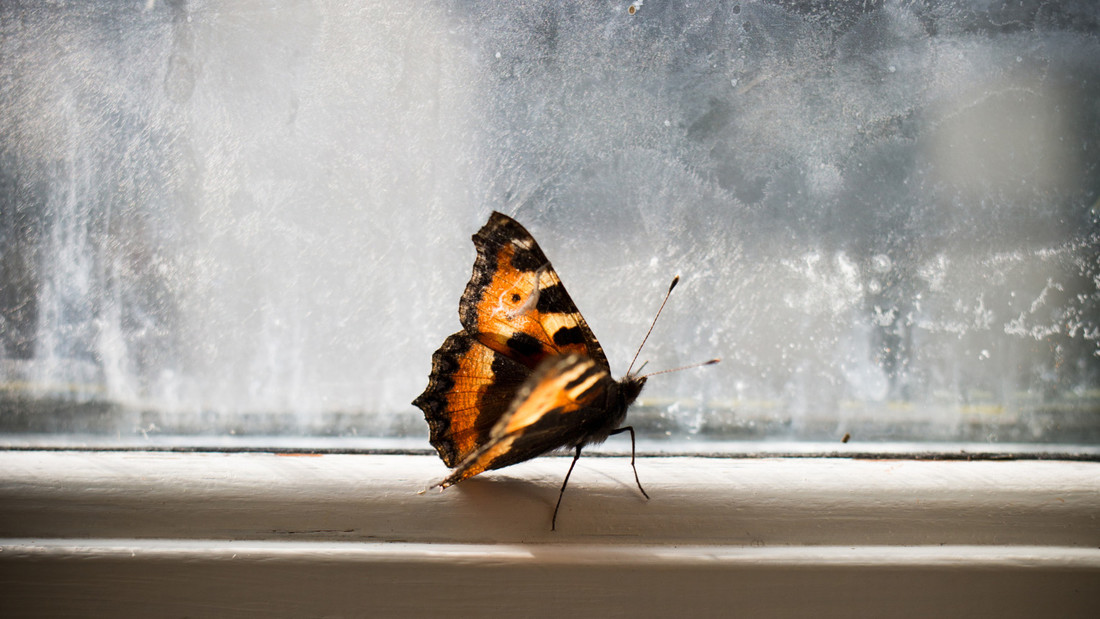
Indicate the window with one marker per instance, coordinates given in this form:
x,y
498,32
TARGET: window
x,y
241,225
245,226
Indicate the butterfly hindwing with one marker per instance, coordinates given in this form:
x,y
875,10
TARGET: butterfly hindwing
x,y
470,388
555,407
515,303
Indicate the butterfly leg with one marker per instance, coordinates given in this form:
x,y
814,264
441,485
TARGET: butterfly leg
x,y
554,520
630,429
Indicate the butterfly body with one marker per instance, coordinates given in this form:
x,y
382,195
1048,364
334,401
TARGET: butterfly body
x,y
525,376
554,421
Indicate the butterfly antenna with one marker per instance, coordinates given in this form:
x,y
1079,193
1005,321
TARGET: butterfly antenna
x,y
685,367
675,280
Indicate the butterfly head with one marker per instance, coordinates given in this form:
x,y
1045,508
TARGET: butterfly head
x,y
629,388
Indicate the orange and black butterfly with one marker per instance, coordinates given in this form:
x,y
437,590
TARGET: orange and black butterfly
x,y
525,375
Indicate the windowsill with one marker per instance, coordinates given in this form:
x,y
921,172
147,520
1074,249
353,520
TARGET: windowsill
x,y
1023,535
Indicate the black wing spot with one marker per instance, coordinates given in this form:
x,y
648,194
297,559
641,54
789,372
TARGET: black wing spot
x,y
524,345
568,335
554,300
529,259
516,297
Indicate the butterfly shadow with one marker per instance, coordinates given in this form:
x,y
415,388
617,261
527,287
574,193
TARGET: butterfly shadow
x,y
494,492
509,506
525,505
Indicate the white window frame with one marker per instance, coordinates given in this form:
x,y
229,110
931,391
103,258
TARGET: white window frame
x,y
173,533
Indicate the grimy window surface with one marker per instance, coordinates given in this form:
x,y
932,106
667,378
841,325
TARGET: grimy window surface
x,y
251,221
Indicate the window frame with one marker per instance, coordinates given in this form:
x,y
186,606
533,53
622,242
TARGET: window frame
x,y
291,533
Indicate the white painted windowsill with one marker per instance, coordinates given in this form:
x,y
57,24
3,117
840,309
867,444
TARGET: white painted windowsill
x,y
208,534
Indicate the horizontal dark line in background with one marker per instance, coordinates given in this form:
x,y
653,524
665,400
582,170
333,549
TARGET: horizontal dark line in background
x,y
1080,456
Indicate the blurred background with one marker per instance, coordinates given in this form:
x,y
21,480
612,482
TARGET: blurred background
x,y
250,220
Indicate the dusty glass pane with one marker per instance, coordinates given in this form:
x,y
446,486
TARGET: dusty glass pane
x,y
253,219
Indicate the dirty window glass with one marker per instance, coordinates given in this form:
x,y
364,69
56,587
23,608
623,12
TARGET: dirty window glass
x,y
250,222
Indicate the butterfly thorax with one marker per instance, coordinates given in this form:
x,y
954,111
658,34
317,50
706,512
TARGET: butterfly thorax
x,y
620,395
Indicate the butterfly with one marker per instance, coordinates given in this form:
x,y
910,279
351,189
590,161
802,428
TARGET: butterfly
x,y
525,376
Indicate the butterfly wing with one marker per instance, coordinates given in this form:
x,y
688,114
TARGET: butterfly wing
x,y
516,305
470,388
559,405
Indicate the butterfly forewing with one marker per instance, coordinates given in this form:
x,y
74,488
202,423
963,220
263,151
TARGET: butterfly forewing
x,y
515,303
